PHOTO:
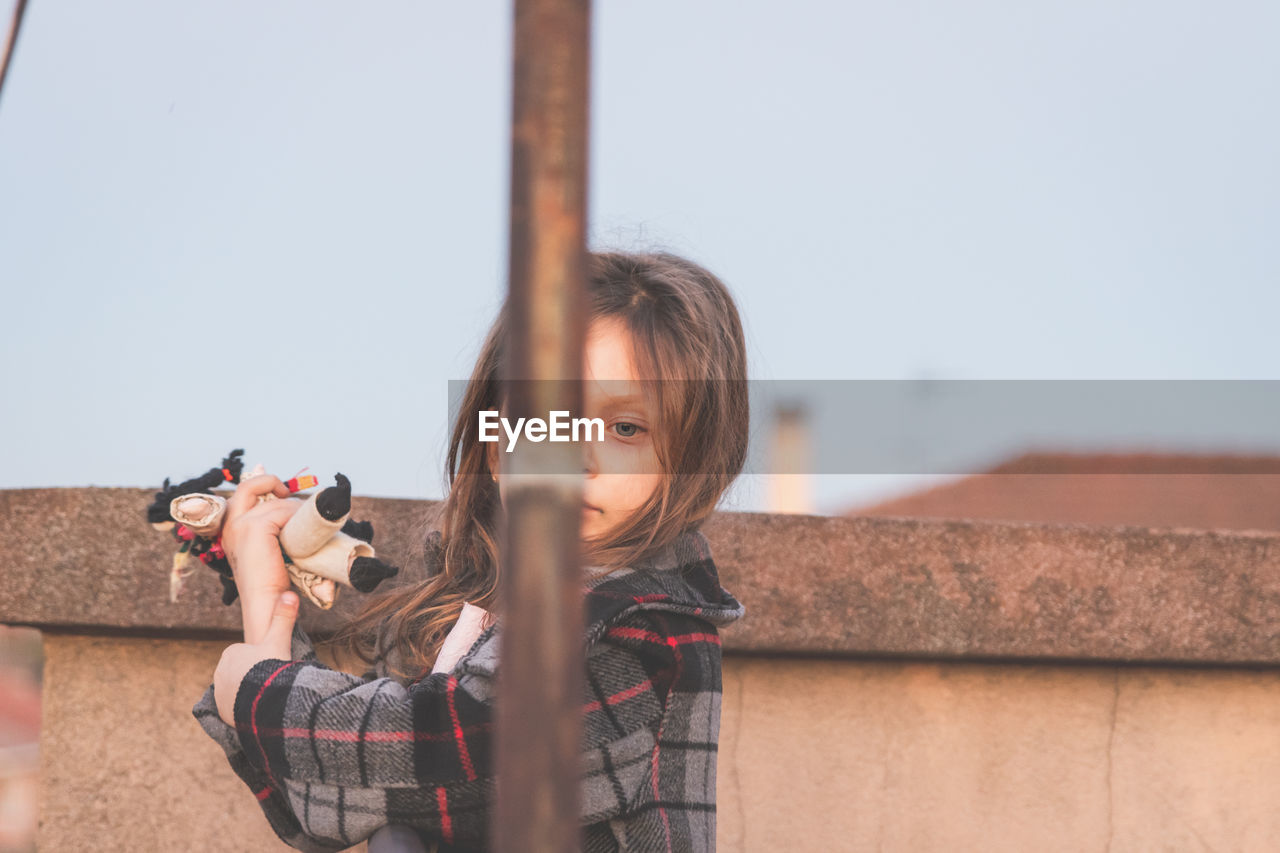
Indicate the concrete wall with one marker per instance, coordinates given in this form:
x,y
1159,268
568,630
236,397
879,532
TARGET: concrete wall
x,y
814,755
124,765
914,756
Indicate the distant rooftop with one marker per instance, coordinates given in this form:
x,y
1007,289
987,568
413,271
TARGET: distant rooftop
x,y
1211,492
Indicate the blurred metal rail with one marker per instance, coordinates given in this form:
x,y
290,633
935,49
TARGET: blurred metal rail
x,y
538,736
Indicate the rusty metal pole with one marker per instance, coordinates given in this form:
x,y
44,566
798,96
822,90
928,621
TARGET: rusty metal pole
x,y
538,738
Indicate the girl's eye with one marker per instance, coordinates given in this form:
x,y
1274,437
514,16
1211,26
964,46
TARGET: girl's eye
x,y
626,429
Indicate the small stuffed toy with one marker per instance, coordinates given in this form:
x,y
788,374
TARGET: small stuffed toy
x,y
321,546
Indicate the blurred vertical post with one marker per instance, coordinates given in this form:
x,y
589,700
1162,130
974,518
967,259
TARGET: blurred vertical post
x,y
540,693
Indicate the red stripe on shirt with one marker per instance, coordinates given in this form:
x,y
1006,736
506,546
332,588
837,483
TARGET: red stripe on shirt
x,y
263,794
652,637
464,755
253,713
446,824
620,696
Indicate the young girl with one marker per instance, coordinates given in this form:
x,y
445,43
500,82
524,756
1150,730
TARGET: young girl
x,y
332,758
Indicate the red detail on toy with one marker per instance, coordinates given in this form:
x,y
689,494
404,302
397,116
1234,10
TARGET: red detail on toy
x,y
297,484
184,533
227,475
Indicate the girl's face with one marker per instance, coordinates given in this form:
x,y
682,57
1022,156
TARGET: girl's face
x,y
622,471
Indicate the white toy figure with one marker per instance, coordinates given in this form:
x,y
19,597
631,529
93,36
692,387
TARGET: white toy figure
x,y
322,547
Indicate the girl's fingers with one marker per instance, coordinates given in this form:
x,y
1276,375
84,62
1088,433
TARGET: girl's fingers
x,y
279,636
251,490
273,513
277,512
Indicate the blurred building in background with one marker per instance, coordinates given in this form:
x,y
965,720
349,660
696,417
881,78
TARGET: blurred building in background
x,y
1207,492
20,664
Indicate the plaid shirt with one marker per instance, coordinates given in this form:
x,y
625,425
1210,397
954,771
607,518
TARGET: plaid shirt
x,y
331,757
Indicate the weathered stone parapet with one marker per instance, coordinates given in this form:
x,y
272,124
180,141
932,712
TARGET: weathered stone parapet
x,y
84,560
980,589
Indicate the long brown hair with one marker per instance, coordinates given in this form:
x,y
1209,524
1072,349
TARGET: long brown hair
x,y
685,332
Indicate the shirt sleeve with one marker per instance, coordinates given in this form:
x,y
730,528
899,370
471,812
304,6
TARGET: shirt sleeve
x,y
332,757
274,806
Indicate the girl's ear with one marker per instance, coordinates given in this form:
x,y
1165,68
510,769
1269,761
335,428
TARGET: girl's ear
x,y
491,453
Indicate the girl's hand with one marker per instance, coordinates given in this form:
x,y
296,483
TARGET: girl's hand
x,y
251,540
237,660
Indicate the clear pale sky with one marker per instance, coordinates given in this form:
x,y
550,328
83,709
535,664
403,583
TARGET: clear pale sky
x,y
282,226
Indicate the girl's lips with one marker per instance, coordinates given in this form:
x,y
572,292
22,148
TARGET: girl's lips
x,y
587,506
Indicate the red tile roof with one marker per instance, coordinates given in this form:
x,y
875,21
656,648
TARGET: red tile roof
x,y
1142,489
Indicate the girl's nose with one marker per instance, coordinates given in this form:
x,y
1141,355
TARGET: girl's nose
x,y
588,459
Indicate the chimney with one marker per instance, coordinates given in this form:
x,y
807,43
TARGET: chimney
x,y
790,480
